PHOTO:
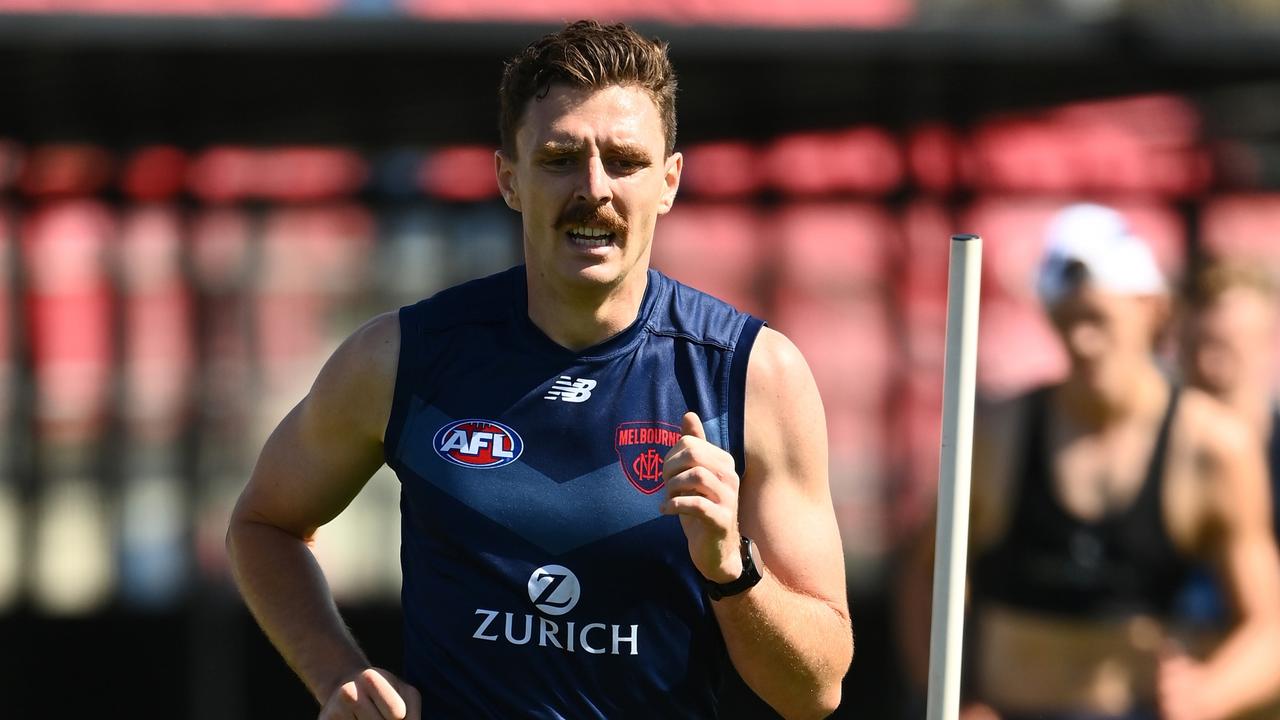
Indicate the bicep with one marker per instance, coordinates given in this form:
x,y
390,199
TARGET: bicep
x,y
785,502
326,448
1247,552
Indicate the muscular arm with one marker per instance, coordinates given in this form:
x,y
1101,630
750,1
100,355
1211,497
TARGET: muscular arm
x,y
311,467
789,636
1245,670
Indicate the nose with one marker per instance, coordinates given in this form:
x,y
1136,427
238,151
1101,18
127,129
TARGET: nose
x,y
593,187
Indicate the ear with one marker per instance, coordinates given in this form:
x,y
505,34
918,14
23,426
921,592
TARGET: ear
x,y
671,182
505,168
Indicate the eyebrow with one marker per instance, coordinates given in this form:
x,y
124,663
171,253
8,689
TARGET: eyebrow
x,y
630,151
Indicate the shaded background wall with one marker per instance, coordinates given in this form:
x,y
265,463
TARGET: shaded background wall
x,y
200,199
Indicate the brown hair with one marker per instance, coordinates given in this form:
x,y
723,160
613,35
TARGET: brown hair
x,y
1213,279
586,54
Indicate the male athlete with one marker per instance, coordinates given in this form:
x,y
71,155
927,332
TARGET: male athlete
x,y
1092,498
612,484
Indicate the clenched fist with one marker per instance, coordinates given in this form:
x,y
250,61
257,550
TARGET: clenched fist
x,y
702,488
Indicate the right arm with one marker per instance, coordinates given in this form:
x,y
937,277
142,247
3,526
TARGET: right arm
x,y
312,466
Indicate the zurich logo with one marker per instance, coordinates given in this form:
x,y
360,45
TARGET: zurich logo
x,y
554,589
478,443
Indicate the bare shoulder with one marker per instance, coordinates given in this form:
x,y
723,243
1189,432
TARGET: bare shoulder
x,y
1226,460
1211,424
781,393
775,362
785,423
358,380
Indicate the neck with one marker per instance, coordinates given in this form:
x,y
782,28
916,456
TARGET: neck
x,y
1144,389
579,317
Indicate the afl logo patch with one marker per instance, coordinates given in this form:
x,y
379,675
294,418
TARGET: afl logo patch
x,y
641,448
478,443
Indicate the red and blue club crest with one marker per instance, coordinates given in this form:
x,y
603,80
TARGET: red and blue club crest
x,y
641,447
478,443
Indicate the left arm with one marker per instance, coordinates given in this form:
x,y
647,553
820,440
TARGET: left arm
x,y
1244,671
789,636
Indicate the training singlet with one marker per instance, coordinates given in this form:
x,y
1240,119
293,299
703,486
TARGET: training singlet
x,y
540,579
1053,562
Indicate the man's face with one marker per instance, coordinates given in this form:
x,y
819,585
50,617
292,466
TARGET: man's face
x,y
1107,335
1230,342
590,178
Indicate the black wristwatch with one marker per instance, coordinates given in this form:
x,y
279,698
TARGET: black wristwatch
x,y
751,567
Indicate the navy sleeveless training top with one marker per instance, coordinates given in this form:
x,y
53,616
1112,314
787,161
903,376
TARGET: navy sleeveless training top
x,y
1053,562
540,579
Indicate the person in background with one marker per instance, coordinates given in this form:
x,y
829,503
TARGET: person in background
x,y
1091,500
1229,340
1229,332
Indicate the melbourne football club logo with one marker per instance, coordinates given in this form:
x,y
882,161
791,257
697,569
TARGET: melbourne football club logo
x,y
478,443
641,447
554,589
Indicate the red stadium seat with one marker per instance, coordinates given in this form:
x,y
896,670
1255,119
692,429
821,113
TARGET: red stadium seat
x,y
7,226
715,248
311,258
289,174
159,343
833,247
463,172
65,169
933,156
722,170
848,343
863,160
154,172
69,315
1243,226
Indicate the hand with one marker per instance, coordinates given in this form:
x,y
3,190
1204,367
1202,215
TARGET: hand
x,y
374,694
702,488
1182,688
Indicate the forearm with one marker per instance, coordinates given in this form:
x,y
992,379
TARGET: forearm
x,y
791,649
286,591
1243,672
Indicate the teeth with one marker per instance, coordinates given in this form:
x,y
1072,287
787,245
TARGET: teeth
x,y
589,232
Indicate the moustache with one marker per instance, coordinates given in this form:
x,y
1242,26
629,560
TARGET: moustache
x,y
599,216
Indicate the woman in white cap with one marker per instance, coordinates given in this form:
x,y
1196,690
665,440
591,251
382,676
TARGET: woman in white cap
x,y
1093,498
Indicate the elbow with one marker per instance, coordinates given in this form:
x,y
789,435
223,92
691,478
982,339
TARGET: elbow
x,y
818,706
824,698
827,702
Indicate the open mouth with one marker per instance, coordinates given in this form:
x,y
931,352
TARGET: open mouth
x,y
589,237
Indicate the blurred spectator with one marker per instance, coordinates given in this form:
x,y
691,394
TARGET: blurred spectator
x,y
1229,340
1092,499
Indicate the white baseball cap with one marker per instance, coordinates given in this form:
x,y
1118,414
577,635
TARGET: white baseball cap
x,y
1097,240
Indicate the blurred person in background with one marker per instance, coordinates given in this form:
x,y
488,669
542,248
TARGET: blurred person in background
x,y
1229,332
1091,500
603,501
1229,349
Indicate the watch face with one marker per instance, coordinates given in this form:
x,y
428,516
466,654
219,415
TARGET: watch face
x,y
755,556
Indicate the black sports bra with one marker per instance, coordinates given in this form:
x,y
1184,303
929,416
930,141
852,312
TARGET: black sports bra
x,y
1050,561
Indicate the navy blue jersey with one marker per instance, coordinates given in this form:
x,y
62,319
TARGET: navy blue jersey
x,y
540,579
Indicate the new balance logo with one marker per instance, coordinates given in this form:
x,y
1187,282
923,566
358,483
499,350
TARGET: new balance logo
x,y
570,390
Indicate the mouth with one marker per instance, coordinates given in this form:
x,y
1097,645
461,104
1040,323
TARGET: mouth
x,y
586,237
